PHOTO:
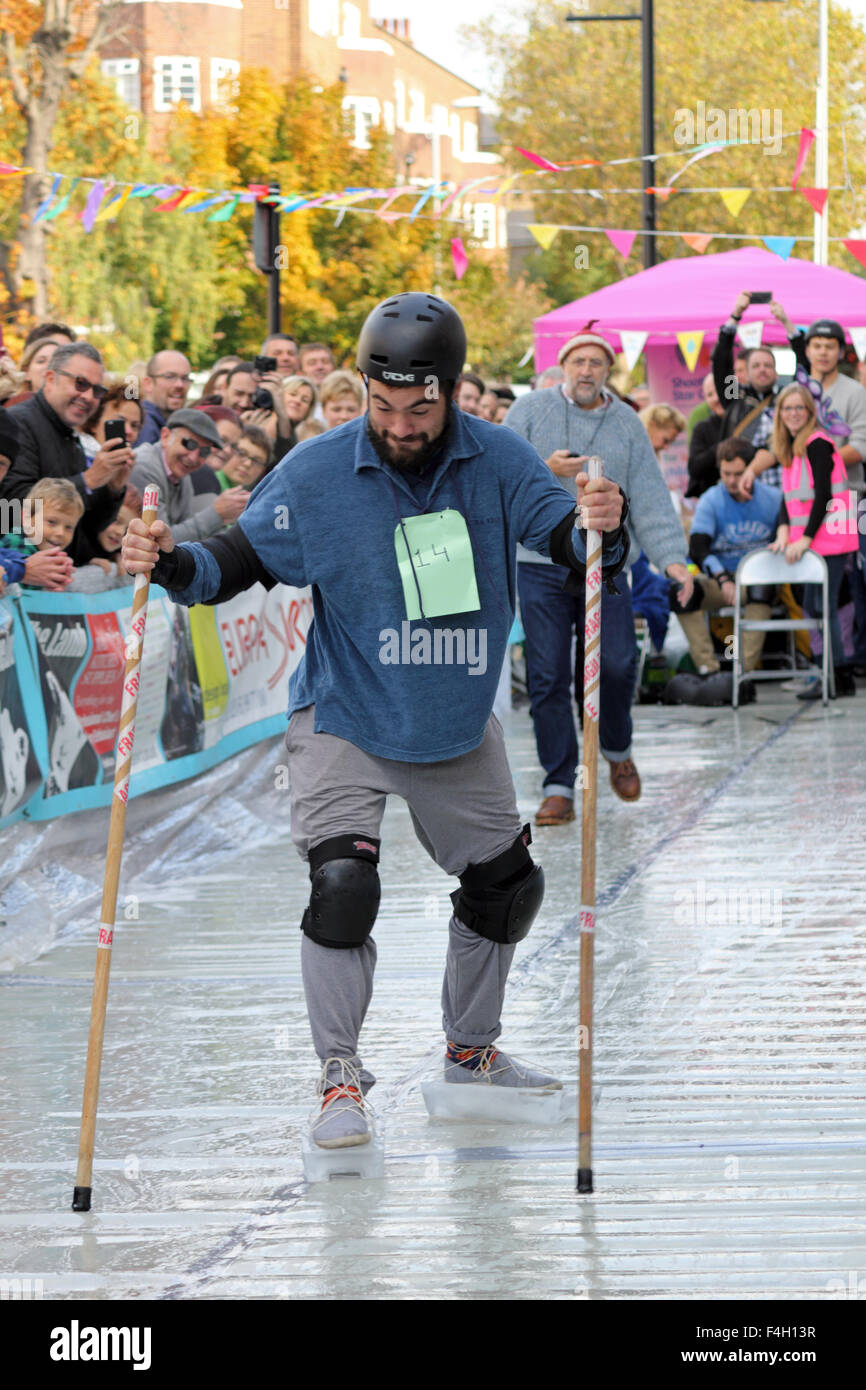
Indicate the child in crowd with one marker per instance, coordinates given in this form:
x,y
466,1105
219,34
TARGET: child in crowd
x,y
50,513
309,429
105,570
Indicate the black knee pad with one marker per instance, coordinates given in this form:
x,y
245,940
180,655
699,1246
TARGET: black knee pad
x,y
344,898
500,899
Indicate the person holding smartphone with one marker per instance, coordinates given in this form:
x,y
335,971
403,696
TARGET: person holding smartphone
x,y
749,406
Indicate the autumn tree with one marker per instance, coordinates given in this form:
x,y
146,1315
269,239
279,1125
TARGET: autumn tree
x,y
572,92
45,47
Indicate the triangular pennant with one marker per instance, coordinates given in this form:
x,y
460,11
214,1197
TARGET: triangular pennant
x,y
538,159
816,198
697,241
857,249
171,203
111,209
780,245
632,345
544,232
207,203
690,344
734,198
225,212
91,207
46,202
858,338
63,204
621,241
459,257
662,193
392,216
750,334
806,138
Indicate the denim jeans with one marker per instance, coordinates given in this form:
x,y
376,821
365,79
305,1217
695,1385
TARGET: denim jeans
x,y
550,619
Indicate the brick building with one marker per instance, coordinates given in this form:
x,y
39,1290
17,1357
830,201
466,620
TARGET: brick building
x,y
189,50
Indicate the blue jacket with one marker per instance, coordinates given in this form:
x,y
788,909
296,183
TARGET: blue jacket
x,y
326,516
151,424
12,562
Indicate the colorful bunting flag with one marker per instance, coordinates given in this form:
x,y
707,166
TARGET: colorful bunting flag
x,y
632,345
734,199
545,233
663,193
857,249
697,241
208,203
690,346
780,245
172,204
225,212
621,241
538,159
459,257
750,334
858,338
46,202
806,138
63,204
112,208
91,207
816,198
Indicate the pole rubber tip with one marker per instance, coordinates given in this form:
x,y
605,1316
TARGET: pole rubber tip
x,y
81,1198
584,1179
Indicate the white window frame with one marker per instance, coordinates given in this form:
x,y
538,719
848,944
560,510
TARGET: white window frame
x,y
367,113
324,18
120,71
484,224
176,62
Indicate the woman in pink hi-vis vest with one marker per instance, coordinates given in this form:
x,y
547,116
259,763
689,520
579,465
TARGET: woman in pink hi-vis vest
x,y
819,511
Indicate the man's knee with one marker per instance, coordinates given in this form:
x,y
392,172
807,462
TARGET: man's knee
x,y
500,899
344,898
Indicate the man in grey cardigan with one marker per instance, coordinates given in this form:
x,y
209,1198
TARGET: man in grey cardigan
x,y
567,425
185,442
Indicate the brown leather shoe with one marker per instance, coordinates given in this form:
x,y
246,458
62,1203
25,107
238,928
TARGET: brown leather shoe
x,y
555,810
625,780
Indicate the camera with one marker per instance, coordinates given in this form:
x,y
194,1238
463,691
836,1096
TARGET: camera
x,y
262,400
265,364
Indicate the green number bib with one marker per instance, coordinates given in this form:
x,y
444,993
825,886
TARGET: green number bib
x,y
440,553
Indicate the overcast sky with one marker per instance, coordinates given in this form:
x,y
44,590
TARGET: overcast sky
x,y
434,29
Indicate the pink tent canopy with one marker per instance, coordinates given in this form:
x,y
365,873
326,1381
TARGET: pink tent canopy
x,y
696,293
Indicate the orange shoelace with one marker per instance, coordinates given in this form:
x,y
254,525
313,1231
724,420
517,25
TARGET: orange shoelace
x,y
351,1092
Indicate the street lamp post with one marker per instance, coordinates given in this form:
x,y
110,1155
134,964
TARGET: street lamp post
x,y
647,114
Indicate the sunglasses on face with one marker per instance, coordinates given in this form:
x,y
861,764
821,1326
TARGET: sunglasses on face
x,y
193,447
82,385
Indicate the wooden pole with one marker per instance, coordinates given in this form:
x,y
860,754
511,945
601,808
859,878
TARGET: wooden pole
x,y
591,680
123,763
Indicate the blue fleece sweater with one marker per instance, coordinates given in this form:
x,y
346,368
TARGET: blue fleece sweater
x,y
326,516
735,527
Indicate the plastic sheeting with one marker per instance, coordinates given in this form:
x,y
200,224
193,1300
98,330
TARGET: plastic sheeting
x,y
729,1052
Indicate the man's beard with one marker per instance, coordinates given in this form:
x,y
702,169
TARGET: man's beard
x,y
412,460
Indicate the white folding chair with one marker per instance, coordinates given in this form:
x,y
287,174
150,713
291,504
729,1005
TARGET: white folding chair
x,y
767,567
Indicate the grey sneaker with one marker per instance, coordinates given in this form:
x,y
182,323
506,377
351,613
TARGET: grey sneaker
x,y
342,1120
487,1066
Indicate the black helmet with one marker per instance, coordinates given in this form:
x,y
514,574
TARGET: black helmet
x,y
411,337
826,328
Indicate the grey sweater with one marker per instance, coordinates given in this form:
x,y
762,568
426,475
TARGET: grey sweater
x,y
176,498
550,421
849,398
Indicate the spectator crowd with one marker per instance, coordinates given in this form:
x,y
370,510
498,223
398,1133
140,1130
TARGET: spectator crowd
x,y
770,465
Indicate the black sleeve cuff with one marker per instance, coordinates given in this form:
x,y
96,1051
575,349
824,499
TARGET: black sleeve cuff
x,y
175,570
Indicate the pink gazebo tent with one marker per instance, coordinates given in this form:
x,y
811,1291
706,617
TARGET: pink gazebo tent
x,y
695,293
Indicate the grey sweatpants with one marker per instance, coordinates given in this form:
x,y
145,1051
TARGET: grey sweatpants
x,y
464,812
